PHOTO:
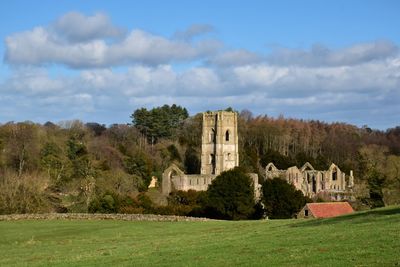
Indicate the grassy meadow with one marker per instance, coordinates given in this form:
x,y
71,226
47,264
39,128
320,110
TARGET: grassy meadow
x,y
369,238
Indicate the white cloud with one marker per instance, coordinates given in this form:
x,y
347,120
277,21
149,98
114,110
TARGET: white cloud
x,y
358,93
259,75
320,55
77,41
193,31
359,83
38,47
140,46
31,81
75,27
236,57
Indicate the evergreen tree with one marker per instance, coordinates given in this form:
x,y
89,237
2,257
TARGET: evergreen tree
x,y
160,122
230,196
281,199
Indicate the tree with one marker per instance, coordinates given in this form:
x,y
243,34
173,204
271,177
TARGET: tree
x,y
96,128
230,196
139,165
160,122
279,160
372,163
21,146
52,161
281,199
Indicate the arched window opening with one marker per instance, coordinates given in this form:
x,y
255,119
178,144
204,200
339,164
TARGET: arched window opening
x,y
212,162
212,158
227,135
173,174
212,136
334,175
314,184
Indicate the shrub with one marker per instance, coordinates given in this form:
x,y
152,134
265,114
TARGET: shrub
x,y
230,196
281,199
104,204
183,203
22,194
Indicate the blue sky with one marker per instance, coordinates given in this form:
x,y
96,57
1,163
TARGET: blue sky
x,y
100,60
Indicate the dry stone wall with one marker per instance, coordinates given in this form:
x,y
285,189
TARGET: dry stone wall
x,y
86,216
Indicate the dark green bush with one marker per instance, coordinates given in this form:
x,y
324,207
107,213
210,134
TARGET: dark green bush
x,y
230,196
281,199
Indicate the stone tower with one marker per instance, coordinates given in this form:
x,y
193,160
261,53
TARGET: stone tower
x,y
219,146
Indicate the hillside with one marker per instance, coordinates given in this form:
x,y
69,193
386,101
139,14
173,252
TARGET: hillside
x,y
72,166
362,239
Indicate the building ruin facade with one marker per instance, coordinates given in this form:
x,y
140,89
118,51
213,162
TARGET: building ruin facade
x,y
220,152
331,183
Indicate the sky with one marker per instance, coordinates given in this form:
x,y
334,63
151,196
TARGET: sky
x,y
98,61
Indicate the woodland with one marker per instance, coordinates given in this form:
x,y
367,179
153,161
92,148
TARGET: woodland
x,y
72,166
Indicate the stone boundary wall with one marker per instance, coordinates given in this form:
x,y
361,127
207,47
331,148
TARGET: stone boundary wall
x,y
89,216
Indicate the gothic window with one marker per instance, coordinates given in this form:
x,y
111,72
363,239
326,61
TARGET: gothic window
x,y
227,135
334,175
212,135
212,162
314,184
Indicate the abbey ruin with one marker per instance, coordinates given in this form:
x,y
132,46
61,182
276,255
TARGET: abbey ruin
x,y
331,183
220,152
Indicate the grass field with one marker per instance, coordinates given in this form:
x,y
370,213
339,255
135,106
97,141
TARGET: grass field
x,y
362,239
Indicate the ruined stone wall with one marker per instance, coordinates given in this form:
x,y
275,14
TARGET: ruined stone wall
x,y
332,182
196,182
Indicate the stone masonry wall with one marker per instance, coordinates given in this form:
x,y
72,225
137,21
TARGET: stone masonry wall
x,y
86,216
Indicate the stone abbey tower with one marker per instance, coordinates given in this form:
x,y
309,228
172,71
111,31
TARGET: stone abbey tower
x,y
219,149
219,152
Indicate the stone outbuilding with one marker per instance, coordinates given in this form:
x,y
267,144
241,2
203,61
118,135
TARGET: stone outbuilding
x,y
325,210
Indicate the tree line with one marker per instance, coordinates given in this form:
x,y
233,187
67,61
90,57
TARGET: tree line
x,y
73,166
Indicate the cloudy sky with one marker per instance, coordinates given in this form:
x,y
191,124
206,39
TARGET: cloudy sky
x,y
100,60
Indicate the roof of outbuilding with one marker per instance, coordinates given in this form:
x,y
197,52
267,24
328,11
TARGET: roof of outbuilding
x,y
329,209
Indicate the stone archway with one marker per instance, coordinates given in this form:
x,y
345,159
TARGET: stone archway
x,y
167,178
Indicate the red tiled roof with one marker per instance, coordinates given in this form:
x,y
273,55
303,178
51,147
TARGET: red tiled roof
x,y
329,209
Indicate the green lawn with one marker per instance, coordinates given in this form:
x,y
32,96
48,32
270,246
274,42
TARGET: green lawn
x,y
361,239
